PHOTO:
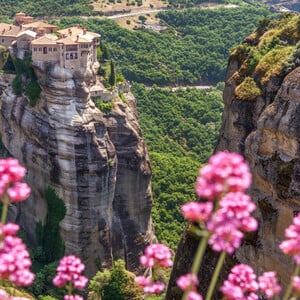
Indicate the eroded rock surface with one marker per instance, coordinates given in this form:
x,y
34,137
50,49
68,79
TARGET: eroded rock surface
x,y
98,164
267,132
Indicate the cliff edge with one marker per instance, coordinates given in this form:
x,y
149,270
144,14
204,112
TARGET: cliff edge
x,y
96,162
261,121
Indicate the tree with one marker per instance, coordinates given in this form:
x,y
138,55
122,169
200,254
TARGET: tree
x,y
142,19
112,76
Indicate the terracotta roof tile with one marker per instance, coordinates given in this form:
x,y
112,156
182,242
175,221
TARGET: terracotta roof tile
x,y
38,24
47,39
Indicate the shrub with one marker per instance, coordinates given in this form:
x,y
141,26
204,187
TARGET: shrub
x,y
105,107
247,90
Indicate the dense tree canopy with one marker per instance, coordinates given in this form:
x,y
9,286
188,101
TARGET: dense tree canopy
x,y
44,7
181,129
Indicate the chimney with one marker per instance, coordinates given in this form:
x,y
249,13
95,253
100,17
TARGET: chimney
x,y
3,30
77,37
70,31
9,27
78,26
84,30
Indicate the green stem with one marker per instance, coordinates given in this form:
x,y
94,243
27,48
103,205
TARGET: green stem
x,y
215,276
290,287
69,288
4,208
197,261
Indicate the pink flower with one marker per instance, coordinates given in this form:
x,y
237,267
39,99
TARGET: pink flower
x,y
15,261
11,172
225,172
148,285
241,284
268,284
230,220
187,281
156,287
157,254
291,246
142,280
18,192
192,295
69,271
12,168
197,211
72,297
3,295
296,284
226,238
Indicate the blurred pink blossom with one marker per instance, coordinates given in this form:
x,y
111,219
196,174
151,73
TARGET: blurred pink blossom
x,y
241,284
197,211
15,261
69,271
225,172
291,246
149,286
157,254
296,284
192,295
18,192
187,281
72,297
268,284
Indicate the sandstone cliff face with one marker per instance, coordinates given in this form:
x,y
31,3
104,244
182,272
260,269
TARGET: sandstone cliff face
x,y
265,129
97,163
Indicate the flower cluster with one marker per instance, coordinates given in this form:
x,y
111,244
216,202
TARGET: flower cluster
x,y
156,256
230,221
226,176
11,173
189,282
291,246
242,284
225,172
267,283
149,285
15,261
69,271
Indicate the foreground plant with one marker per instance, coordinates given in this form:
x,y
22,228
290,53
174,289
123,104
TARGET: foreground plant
x,y
69,275
156,256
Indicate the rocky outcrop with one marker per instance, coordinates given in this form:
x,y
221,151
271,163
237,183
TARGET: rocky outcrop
x,y
265,129
98,164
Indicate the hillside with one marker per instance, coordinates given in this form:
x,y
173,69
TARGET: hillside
x,y
191,49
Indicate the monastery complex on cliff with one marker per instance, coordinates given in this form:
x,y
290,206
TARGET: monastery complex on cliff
x,y
72,47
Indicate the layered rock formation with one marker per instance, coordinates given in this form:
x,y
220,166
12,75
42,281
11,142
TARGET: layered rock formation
x,y
98,165
263,126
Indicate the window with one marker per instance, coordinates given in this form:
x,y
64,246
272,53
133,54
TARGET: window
x,y
75,56
50,49
54,49
71,56
35,49
40,49
67,56
2,40
45,50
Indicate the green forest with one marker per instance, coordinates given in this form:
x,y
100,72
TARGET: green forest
x,y
38,8
181,130
194,48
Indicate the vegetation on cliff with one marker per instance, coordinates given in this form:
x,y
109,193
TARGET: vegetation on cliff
x,y
270,52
